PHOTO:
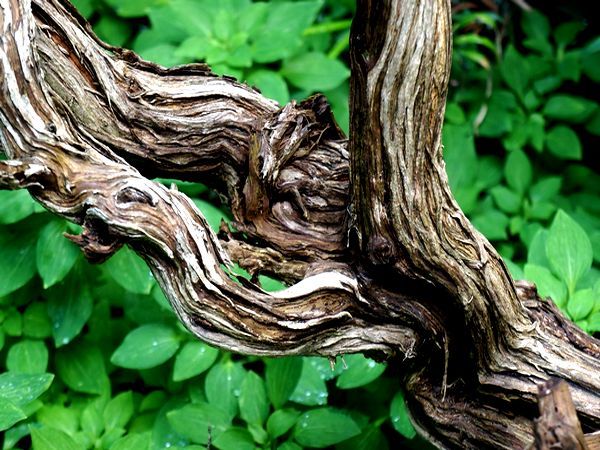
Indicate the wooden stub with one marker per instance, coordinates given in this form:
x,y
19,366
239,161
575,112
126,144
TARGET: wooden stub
x,y
558,426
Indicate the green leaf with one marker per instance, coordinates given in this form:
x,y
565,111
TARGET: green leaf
x,y
254,405
81,367
314,71
234,439
137,441
13,323
507,200
36,323
537,28
518,171
282,376
454,114
193,359
271,84
130,271
27,356
69,307
401,417
46,438
55,254
222,386
580,304
9,414
547,284
461,163
564,143
311,389
17,264
545,189
514,69
59,417
118,411
492,224
569,108
281,34
360,371
370,438
323,427
112,30
569,249
281,421
21,388
566,32
15,206
211,213
146,346
194,420
593,323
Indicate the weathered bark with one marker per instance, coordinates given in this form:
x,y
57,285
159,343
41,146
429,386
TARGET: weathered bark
x,y
383,259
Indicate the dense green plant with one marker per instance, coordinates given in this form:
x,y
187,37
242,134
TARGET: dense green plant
x,y
93,356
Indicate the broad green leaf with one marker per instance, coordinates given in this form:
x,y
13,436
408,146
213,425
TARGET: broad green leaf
x,y
118,411
454,114
536,253
569,108
541,210
370,438
360,371
13,323
17,265
323,427
311,389
55,254
566,32
545,189
137,441
282,376
536,131
537,28
60,417
163,433
569,249
112,30
281,421
27,356
564,143
314,72
492,224
400,416
91,418
130,271
281,34
234,439
21,388
289,445
222,386
152,401
518,171
506,199
194,420
46,438
69,307
270,284
580,304
271,84
461,163
85,7
547,284
133,8
515,70
15,206
81,367
594,322
164,54
193,359
254,405
146,346
36,323
211,213
9,414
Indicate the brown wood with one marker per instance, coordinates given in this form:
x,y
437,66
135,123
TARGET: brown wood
x,y
380,257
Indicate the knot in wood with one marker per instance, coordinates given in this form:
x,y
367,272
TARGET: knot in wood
x,y
380,250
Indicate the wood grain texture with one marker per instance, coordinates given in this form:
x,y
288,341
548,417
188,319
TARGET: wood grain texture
x,y
379,256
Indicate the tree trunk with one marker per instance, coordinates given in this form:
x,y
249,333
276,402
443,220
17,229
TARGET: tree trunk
x,y
380,257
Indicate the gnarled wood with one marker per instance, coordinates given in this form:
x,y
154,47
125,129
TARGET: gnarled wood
x,y
383,259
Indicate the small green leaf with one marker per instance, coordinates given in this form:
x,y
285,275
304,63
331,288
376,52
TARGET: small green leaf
x,y
193,359
137,441
118,411
36,323
15,206
360,371
323,427
254,405
281,421
69,307
545,189
370,438
314,72
311,389
27,356
507,200
9,414
130,271
222,386
492,224
569,249
518,171
46,438
271,84
234,439
146,346
547,284
194,421
21,388
17,264
81,367
580,304
401,417
282,376
564,143
569,108
55,254
514,69
112,30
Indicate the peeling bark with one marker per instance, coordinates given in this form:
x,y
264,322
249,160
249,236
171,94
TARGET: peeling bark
x,y
380,257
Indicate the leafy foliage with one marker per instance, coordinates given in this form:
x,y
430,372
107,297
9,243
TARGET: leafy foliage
x,y
93,356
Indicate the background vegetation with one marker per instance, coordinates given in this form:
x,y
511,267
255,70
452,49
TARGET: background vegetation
x,y
93,356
